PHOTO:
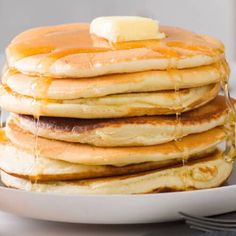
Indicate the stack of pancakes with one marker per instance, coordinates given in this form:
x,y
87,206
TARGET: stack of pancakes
x,y
93,117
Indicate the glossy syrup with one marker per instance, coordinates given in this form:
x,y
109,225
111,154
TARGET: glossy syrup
x,y
40,89
5,71
1,119
1,113
2,122
178,133
230,121
35,133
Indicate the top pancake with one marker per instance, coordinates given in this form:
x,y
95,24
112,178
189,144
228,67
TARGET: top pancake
x,y
70,51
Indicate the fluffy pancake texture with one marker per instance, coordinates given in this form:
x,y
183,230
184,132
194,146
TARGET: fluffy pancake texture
x,y
20,163
133,131
208,173
120,105
118,156
70,51
148,81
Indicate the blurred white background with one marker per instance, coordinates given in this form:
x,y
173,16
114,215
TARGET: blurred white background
x,y
213,17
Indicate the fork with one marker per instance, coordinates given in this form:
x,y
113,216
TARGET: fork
x,y
209,225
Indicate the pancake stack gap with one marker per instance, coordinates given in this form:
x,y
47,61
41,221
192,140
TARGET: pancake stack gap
x,y
93,116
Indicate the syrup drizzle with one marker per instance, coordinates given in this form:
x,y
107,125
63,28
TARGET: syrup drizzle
x,y
36,125
1,118
178,133
1,113
39,88
179,130
5,70
230,121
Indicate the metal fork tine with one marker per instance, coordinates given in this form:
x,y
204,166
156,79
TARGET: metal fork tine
x,y
213,220
201,228
207,226
205,222
223,225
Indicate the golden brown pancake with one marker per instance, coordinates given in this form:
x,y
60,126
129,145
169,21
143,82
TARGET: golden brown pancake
x,y
133,131
117,156
208,173
20,163
70,51
148,81
121,105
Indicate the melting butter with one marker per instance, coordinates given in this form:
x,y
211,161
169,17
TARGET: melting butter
x,y
125,28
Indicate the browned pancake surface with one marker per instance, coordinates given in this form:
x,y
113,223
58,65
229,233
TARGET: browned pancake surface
x,y
212,110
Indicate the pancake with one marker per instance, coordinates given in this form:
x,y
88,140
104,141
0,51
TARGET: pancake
x,y
133,131
17,162
208,173
148,81
122,105
70,51
117,156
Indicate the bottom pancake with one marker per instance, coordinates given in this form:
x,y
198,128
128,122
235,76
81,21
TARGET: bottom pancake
x,y
206,173
22,164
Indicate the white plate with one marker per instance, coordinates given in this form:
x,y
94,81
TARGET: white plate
x,y
123,209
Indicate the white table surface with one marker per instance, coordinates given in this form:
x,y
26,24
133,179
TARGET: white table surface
x,y
11,225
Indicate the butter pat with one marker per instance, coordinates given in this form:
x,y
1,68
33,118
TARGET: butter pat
x,y
125,28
